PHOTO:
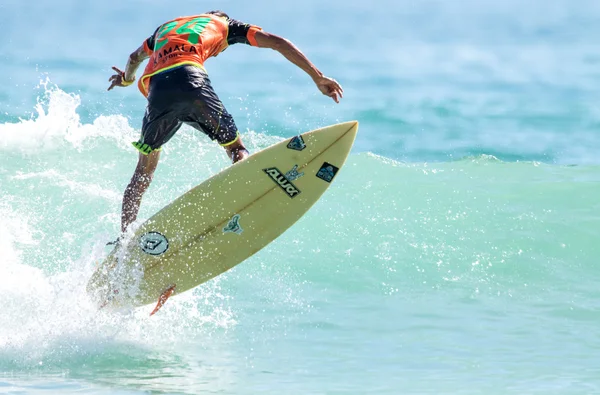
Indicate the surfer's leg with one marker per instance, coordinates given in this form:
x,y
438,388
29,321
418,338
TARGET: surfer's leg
x,y
159,125
208,115
236,150
141,179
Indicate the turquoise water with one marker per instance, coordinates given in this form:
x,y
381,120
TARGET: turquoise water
x,y
456,253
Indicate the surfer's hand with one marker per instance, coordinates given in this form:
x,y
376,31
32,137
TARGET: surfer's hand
x,y
118,79
330,87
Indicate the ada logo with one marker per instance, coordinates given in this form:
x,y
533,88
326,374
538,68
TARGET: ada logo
x,y
153,243
327,172
283,182
234,225
296,143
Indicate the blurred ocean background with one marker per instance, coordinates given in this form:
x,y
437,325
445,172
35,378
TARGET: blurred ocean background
x,y
456,252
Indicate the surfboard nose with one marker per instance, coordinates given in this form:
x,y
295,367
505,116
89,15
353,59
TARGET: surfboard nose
x,y
352,127
350,124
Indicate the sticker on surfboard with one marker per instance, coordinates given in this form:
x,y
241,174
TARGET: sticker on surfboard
x,y
233,226
282,181
327,172
154,243
293,174
297,143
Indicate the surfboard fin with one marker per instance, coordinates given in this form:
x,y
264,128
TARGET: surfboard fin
x,y
163,298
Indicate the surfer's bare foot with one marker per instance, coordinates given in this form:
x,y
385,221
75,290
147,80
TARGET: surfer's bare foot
x,y
163,298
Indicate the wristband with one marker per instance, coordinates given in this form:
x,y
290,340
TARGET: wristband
x,y
124,82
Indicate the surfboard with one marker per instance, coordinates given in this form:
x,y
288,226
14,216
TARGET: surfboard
x,y
222,221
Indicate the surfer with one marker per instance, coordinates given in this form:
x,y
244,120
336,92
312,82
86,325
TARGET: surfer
x,y
179,91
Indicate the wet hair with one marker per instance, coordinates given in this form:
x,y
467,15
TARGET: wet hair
x,y
218,13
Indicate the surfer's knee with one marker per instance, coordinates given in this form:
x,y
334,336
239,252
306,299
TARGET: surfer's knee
x,y
238,154
147,164
144,172
237,151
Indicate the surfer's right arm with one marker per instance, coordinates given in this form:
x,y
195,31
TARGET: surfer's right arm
x,y
126,78
327,86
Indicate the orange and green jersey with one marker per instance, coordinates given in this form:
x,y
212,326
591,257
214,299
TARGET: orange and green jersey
x,y
191,40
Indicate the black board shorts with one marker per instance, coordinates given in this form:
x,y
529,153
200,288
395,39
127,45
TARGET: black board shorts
x,y
183,95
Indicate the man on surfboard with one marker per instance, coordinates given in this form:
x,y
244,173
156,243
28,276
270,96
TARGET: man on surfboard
x,y
179,90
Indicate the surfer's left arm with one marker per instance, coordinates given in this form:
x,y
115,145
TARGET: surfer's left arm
x,y
240,32
127,77
327,86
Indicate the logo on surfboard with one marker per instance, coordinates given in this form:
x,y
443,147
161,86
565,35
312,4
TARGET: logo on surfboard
x,y
284,183
327,172
234,225
293,174
296,143
153,243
